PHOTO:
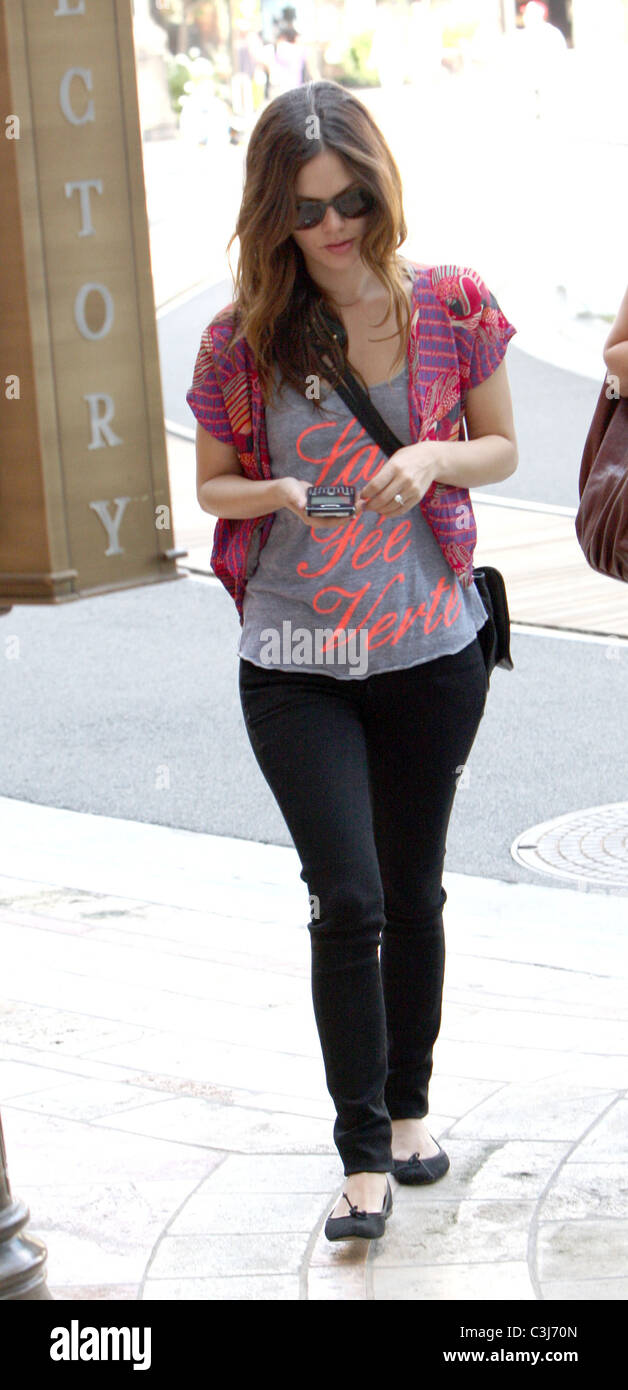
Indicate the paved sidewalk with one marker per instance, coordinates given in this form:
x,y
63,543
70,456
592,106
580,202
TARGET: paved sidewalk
x,y
163,1096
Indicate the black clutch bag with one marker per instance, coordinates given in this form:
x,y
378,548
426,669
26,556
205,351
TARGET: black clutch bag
x,y
494,636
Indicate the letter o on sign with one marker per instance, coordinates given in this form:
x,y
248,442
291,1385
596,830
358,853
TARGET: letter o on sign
x,y
90,330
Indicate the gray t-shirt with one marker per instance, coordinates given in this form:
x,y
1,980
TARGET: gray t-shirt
x,y
372,594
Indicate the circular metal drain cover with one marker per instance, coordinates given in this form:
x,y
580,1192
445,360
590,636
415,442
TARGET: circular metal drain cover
x,y
589,845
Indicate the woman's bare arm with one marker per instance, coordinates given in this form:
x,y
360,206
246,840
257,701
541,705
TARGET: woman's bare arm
x,y
490,454
221,486
223,490
616,347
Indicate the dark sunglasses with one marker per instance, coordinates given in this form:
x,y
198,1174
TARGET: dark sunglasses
x,y
354,202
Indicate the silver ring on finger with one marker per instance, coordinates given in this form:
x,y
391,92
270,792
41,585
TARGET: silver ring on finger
x,y
398,499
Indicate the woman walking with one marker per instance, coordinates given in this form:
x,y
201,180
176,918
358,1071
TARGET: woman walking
x,y
361,676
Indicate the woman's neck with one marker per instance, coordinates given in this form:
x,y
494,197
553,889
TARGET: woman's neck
x,y
347,288
352,288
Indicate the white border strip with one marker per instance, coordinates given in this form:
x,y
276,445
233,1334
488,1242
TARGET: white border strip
x,y
519,505
568,634
178,300
180,431
519,629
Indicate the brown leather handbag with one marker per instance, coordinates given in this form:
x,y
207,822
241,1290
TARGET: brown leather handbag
x,y
602,518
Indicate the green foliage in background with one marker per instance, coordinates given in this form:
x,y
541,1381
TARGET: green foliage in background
x,y
187,72
357,68
178,77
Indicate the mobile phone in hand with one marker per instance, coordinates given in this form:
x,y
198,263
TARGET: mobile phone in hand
x,y
332,500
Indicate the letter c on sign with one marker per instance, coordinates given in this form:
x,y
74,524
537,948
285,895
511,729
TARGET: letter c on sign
x,y
64,96
79,312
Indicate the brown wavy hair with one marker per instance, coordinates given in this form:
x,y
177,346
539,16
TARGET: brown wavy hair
x,y
282,313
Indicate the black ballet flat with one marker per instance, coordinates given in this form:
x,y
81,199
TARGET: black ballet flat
x,y
415,1170
360,1225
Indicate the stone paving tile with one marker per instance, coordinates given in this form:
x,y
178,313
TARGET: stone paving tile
x,y
570,1250
230,941
73,1293
199,1256
593,1290
204,1093
81,1149
476,1282
98,997
14,889
510,1170
341,1256
131,859
276,1173
496,1060
588,1070
88,963
199,1122
565,1004
455,1095
103,1233
209,1213
44,925
337,1285
608,1141
295,1105
495,981
143,1207
581,1190
443,1233
267,1288
520,1110
224,1064
22,1079
86,1100
67,1032
86,1258
58,1066
519,1026
528,927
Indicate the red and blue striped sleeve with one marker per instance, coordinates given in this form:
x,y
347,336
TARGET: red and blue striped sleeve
x,y
492,332
205,397
482,332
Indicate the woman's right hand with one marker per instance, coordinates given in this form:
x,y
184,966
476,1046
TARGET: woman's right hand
x,y
295,491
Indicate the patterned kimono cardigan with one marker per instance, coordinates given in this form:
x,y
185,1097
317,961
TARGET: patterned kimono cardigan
x,y
458,337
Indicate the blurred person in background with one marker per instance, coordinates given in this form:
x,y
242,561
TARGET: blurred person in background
x,y
248,81
541,52
289,60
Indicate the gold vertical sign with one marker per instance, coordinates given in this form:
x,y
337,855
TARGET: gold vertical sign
x,y
84,496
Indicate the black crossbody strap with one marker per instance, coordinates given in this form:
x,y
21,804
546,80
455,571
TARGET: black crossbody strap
x,y
494,636
362,406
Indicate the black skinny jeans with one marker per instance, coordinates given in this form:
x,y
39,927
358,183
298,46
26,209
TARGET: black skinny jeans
x,y
365,773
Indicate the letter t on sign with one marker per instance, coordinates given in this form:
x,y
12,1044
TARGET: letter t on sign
x,y
84,185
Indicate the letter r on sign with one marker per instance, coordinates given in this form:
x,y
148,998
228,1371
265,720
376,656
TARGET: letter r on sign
x,y
102,434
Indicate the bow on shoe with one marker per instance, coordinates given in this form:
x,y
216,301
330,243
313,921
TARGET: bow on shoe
x,y
358,1215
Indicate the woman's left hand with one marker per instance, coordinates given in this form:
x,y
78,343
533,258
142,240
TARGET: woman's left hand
x,y
408,474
